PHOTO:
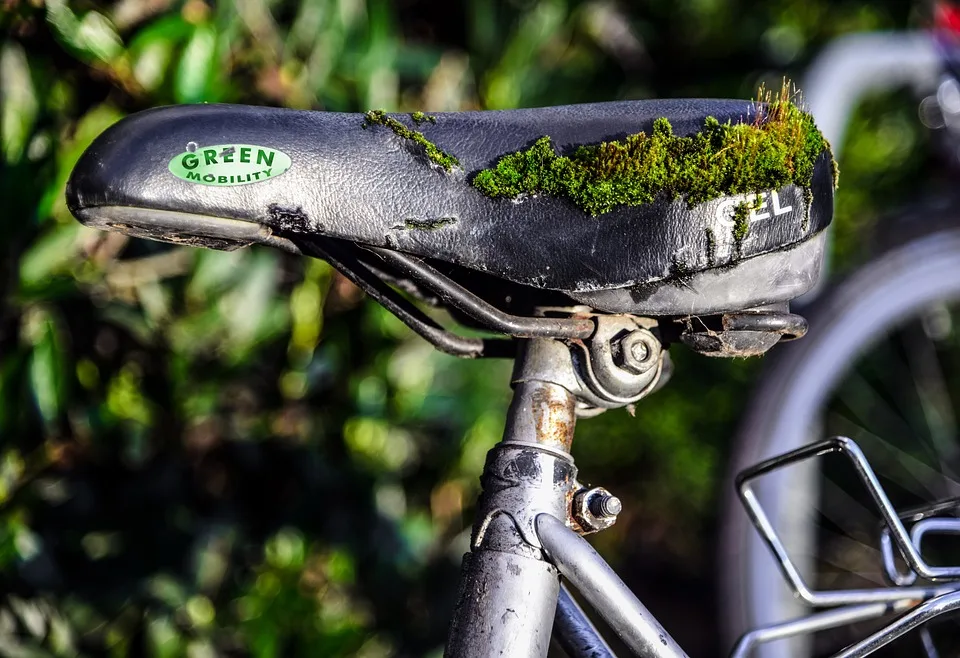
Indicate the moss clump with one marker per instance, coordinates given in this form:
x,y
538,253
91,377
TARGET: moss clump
x,y
422,117
432,151
779,147
741,221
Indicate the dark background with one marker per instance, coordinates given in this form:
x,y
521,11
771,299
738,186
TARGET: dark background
x,y
207,453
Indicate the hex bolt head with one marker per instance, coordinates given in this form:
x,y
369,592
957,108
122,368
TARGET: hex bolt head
x,y
639,351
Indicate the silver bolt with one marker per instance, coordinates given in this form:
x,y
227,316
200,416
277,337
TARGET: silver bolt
x,y
639,351
605,505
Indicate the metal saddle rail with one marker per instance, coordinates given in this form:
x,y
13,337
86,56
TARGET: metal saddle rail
x,y
604,379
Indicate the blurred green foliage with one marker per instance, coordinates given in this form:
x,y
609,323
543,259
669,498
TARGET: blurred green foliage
x,y
207,453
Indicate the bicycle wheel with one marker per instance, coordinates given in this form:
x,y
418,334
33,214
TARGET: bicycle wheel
x,y
880,363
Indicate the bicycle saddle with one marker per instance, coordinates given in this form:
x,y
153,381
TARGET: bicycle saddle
x,y
523,195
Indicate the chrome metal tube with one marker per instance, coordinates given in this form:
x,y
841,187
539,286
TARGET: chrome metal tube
x,y
508,590
575,633
816,622
898,533
603,589
921,614
486,314
541,413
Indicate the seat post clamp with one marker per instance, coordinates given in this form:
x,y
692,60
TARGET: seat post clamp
x,y
622,362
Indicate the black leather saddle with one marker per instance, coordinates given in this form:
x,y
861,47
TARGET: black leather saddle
x,y
225,176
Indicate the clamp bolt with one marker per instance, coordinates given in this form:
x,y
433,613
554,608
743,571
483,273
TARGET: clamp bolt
x,y
638,351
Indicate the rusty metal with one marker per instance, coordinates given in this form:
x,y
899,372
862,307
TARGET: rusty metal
x,y
594,509
509,587
744,333
593,371
552,361
508,593
458,297
542,413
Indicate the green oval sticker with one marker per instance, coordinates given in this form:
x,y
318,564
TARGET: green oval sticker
x,y
229,164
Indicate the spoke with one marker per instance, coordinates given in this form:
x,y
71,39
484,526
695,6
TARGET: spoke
x,y
922,480
845,554
843,509
872,411
935,400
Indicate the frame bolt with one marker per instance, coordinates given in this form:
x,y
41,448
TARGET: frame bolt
x,y
595,509
605,505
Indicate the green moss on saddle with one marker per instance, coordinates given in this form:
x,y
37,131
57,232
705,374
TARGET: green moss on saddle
x,y
422,117
780,146
741,221
432,151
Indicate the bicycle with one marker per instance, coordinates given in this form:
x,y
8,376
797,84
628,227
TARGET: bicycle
x,y
881,313
598,268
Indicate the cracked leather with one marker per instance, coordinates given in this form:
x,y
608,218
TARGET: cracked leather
x,y
373,187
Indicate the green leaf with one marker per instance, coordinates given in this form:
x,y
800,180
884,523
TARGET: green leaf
x,y
125,398
18,99
215,272
152,49
196,66
46,366
49,255
251,311
514,76
170,29
93,37
98,37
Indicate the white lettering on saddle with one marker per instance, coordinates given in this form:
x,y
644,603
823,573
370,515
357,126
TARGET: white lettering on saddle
x,y
725,208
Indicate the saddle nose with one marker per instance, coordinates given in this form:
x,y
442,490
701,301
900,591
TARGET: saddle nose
x,y
161,175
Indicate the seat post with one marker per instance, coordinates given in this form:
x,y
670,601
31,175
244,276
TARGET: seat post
x,y
508,590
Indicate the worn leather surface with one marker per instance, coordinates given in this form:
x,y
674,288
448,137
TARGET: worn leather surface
x,y
371,186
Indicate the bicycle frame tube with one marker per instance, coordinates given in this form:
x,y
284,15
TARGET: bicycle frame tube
x,y
574,632
508,590
522,538
604,590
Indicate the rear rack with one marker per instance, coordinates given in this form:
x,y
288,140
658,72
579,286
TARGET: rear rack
x,y
919,604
